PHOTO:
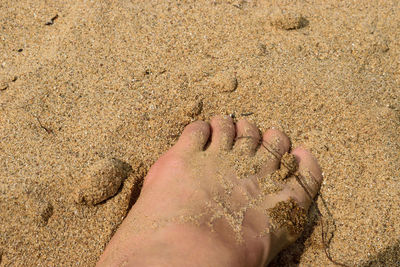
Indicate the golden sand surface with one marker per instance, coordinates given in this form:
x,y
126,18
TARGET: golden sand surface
x,y
83,81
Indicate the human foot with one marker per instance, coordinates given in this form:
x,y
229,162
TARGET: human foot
x,y
211,201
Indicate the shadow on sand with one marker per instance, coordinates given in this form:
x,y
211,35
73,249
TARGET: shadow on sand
x,y
388,257
290,257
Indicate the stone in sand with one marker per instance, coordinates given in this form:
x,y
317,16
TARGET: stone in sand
x,y
39,210
102,181
224,81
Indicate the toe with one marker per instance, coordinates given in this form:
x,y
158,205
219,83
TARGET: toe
x,y
273,146
304,186
310,176
194,136
247,137
223,133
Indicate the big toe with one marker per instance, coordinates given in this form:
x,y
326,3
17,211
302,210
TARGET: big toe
x,y
194,136
223,133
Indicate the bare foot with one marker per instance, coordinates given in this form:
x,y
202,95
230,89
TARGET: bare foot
x,y
211,201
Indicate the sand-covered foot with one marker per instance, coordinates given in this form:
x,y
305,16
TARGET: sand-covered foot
x,y
223,195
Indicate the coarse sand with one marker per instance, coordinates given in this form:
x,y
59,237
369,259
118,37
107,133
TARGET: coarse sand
x,y
83,82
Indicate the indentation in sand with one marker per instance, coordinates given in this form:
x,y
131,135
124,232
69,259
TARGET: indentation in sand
x,y
287,19
39,210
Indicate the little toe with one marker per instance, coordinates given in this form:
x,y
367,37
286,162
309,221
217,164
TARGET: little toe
x,y
304,187
223,133
274,144
247,137
194,136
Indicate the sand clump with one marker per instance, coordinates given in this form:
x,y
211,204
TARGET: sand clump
x,y
245,166
194,108
288,166
287,19
102,181
288,214
224,81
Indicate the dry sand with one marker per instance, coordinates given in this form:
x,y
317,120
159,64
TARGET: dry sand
x,y
120,79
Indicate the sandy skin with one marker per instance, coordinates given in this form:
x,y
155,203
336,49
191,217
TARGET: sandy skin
x,y
194,209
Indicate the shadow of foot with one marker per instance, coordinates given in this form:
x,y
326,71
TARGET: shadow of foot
x,y
290,257
388,257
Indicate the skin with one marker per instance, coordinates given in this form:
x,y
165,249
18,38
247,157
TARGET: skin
x,y
174,222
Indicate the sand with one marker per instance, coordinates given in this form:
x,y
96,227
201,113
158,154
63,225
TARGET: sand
x,y
85,81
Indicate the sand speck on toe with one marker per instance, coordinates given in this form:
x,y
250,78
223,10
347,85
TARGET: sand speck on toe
x,y
273,182
102,181
288,167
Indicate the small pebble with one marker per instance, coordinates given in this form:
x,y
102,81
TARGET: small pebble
x,y
287,20
40,210
102,181
224,81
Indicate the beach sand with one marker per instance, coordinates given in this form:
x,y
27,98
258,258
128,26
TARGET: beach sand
x,y
85,81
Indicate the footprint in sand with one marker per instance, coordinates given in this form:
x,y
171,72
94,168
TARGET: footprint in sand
x,y
40,210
